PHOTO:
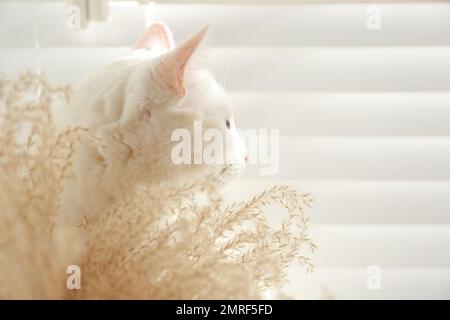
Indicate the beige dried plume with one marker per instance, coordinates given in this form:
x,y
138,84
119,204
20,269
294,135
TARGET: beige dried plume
x,y
173,244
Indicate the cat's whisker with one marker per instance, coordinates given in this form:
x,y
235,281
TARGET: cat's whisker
x,y
227,71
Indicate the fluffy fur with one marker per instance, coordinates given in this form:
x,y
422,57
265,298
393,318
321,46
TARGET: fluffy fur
x,y
153,245
134,105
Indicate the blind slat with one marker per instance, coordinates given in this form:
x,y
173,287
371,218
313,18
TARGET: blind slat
x,y
274,69
396,283
358,158
362,202
311,24
386,246
352,113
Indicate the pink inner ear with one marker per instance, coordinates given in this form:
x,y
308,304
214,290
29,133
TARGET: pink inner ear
x,y
157,37
171,68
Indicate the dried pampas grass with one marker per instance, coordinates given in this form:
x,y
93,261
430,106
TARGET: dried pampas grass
x,y
173,244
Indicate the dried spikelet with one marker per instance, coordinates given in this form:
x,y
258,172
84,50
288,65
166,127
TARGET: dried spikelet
x,y
155,244
31,260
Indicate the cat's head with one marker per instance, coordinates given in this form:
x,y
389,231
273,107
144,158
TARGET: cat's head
x,y
164,116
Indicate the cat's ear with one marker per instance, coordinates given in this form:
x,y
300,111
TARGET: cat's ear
x,y
171,66
157,38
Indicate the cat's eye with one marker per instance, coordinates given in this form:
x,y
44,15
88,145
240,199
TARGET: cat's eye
x,y
227,123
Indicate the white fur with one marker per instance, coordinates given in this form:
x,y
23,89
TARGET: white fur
x,y
126,105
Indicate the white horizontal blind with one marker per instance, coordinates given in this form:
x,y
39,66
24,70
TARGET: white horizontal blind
x,y
363,115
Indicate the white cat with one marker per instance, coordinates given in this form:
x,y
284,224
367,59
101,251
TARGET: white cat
x,y
134,104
